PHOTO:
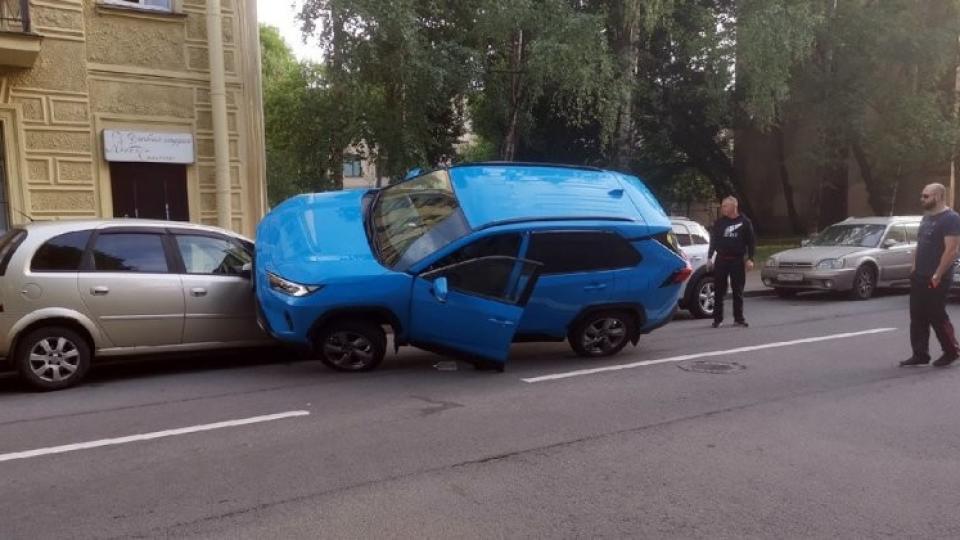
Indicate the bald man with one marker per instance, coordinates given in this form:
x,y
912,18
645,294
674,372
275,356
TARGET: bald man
x,y
937,244
733,241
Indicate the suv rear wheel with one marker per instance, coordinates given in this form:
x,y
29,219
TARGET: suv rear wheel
x,y
602,333
52,358
352,345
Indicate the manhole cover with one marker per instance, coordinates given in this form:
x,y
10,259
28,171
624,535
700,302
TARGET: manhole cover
x,y
705,366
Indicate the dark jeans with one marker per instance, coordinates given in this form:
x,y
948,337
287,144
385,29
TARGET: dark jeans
x,y
732,268
928,307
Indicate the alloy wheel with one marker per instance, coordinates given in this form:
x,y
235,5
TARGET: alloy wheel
x,y
603,335
54,359
349,350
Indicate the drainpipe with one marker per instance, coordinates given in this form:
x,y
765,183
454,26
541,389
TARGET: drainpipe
x,y
218,99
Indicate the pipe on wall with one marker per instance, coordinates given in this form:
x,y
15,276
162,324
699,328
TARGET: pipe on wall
x,y
218,98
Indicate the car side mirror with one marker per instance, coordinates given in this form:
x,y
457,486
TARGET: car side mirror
x,y
246,271
889,243
441,289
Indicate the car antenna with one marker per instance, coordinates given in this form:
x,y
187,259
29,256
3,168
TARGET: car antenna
x,y
30,219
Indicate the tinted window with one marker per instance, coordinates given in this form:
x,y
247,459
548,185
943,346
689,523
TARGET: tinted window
x,y
129,252
701,236
566,253
682,234
61,254
8,245
501,278
506,245
208,255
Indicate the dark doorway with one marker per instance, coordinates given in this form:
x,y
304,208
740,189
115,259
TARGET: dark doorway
x,y
149,191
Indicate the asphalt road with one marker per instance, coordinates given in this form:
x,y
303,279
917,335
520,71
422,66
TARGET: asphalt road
x,y
818,435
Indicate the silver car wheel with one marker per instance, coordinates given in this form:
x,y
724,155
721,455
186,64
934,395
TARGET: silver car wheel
x,y
349,350
604,335
707,297
54,359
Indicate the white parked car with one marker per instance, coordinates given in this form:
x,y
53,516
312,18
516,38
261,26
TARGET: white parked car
x,y
694,240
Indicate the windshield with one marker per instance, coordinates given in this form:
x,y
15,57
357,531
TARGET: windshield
x,y
850,235
406,212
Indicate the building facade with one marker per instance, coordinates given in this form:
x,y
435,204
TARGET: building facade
x,y
131,108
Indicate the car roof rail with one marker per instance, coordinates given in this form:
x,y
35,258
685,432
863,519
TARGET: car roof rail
x,y
526,164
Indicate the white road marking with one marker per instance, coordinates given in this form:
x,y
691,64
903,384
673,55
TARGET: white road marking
x,y
776,345
149,436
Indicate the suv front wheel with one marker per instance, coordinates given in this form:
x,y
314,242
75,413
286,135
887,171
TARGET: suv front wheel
x,y
352,345
52,358
603,333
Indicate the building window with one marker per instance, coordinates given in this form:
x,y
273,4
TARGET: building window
x,y
352,167
150,5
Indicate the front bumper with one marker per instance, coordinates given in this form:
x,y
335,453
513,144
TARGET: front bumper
x,y
809,279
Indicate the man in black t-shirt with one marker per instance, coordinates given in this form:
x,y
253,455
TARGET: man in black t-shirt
x,y
937,244
733,241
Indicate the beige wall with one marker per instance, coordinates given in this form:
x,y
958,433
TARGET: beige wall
x,y
105,68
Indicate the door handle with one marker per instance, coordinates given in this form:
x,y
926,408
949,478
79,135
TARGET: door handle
x,y
100,290
198,291
595,287
501,322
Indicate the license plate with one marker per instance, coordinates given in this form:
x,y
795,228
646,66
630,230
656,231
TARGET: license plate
x,y
789,277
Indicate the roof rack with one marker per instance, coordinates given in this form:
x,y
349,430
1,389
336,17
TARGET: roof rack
x,y
526,164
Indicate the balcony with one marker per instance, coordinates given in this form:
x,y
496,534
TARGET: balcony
x,y
19,46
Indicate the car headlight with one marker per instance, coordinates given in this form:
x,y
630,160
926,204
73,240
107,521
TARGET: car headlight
x,y
830,264
286,286
771,263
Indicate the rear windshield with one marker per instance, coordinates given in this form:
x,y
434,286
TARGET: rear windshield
x,y
8,244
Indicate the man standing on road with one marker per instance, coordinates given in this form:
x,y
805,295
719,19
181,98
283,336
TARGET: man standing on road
x,y
732,239
930,279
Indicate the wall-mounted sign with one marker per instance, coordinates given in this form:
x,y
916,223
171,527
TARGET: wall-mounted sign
x,y
148,147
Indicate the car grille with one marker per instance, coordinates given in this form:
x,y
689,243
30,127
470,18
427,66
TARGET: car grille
x,y
795,265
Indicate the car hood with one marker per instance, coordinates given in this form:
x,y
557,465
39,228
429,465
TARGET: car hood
x,y
315,238
815,254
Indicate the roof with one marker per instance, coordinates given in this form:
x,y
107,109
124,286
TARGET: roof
x,y
879,220
492,193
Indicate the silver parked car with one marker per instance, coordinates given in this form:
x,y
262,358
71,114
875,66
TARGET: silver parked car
x,y
74,290
857,255
694,240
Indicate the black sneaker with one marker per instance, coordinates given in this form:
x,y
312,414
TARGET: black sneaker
x,y
914,361
741,323
945,360
717,324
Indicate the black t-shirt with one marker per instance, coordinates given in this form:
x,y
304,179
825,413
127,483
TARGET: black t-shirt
x,y
930,240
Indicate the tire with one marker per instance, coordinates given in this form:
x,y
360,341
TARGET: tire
x,y
52,358
602,333
702,298
785,293
864,284
352,345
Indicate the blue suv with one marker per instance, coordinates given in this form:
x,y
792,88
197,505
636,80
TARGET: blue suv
x,y
468,260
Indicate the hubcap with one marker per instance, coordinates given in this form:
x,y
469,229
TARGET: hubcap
x,y
865,285
54,359
604,335
348,350
707,297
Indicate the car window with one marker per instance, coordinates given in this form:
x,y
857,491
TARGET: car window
x,y
506,245
572,252
858,235
897,233
61,253
499,278
129,252
700,235
682,234
209,255
913,230
406,212
8,245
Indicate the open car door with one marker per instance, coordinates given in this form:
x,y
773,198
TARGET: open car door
x,y
473,307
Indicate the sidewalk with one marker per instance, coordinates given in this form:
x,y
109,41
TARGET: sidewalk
x,y
755,286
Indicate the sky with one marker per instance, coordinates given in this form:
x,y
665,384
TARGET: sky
x,y
282,14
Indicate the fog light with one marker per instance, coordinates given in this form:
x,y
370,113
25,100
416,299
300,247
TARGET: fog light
x,y
828,284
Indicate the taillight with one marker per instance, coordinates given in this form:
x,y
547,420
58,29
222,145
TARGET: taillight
x,y
679,276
